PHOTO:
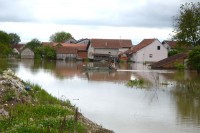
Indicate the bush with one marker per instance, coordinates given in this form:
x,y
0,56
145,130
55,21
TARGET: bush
x,y
173,52
194,59
179,66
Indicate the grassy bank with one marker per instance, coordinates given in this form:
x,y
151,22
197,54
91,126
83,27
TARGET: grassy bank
x,y
35,110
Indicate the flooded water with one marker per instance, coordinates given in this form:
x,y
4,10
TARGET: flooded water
x,y
105,98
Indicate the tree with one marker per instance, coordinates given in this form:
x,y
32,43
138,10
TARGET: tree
x,y
60,36
187,24
194,59
4,38
14,38
45,52
33,44
5,48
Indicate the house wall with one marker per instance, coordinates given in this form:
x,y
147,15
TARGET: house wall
x,y
64,56
143,55
90,52
113,52
27,53
82,54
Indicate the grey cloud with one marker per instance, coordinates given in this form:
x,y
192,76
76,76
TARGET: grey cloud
x,y
153,14
14,11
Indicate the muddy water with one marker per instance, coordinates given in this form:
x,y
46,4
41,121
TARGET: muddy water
x,y
105,98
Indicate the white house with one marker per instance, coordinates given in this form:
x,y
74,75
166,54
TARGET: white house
x,y
149,50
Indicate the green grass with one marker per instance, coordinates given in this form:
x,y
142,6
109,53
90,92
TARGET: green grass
x,y
40,113
136,83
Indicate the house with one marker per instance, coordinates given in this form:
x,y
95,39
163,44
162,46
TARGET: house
x,y
16,48
27,53
105,49
80,48
169,44
63,53
71,51
148,50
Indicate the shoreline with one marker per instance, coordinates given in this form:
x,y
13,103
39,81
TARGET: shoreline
x,y
18,98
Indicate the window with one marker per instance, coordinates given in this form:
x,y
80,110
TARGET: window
x,y
150,55
158,47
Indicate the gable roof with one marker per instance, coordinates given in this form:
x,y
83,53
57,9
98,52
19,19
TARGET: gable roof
x,y
111,43
172,44
142,44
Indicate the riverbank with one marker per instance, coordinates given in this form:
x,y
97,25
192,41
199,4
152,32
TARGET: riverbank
x,y
28,108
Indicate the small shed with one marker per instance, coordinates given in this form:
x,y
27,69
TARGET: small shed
x,y
27,54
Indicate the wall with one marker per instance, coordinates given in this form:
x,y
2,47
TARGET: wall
x,y
90,52
113,52
64,56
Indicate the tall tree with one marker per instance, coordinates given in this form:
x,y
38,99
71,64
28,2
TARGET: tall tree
x,y
187,24
14,38
33,44
60,36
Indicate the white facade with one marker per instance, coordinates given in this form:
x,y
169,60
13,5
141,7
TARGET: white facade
x,y
27,53
151,53
111,52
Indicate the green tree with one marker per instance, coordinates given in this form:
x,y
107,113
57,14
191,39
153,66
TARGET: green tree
x,y
60,36
45,52
5,48
194,59
4,38
14,38
33,44
187,24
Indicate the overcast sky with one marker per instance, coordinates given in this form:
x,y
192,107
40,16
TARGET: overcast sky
x,y
114,19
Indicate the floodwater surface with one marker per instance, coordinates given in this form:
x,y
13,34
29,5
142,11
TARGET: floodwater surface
x,y
105,98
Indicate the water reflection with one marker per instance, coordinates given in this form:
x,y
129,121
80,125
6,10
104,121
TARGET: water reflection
x,y
105,98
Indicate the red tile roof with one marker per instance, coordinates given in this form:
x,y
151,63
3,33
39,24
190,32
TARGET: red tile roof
x,y
66,50
168,60
142,44
79,47
111,43
172,44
